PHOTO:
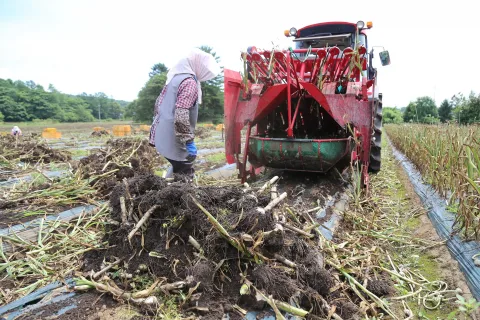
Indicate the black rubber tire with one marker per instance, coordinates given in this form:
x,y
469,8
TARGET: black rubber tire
x,y
376,145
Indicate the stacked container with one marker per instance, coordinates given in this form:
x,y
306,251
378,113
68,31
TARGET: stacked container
x,y
51,133
122,130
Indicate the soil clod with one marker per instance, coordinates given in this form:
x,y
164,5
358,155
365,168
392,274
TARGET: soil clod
x,y
379,287
100,133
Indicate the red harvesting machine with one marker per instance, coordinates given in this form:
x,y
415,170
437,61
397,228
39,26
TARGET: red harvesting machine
x,y
309,108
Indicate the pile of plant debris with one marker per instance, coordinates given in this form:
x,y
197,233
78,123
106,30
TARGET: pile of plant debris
x,y
224,247
119,159
204,132
43,195
30,150
100,133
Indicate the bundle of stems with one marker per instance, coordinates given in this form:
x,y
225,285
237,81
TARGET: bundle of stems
x,y
52,254
68,191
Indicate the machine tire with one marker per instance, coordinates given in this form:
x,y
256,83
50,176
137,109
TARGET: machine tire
x,y
376,145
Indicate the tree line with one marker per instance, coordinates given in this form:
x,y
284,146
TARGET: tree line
x,y
459,108
142,108
28,101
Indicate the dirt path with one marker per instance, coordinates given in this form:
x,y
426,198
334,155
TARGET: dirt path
x,y
395,197
447,266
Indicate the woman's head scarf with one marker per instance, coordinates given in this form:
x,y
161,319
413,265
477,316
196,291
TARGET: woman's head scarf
x,y
198,63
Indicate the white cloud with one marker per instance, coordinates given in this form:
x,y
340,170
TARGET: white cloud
x,y
110,46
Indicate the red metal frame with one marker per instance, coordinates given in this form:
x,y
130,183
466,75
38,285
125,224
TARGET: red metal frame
x,y
243,171
247,104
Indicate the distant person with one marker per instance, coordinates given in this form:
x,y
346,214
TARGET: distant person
x,y
176,110
16,131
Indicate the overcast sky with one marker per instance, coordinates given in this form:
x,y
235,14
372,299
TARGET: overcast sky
x,y
110,46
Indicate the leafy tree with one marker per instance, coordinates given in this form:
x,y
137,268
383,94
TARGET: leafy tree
x,y
392,115
212,94
410,114
113,110
25,101
130,110
103,107
466,110
6,83
30,84
40,104
422,110
20,85
472,111
52,88
143,108
445,111
431,120
123,104
11,111
75,110
157,69
459,103
211,109
1,117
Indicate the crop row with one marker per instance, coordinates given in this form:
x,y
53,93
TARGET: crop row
x,y
449,159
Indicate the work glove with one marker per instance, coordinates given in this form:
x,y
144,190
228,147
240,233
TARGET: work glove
x,y
192,151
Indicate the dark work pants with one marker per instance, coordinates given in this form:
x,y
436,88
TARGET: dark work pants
x,y
182,167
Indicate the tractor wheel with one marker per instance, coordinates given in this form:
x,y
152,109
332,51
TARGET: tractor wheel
x,y
376,146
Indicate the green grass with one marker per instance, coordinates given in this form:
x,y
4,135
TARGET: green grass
x,y
33,213
216,158
37,179
168,310
79,152
209,144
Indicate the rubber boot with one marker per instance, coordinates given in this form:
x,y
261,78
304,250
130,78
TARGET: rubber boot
x,y
169,173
